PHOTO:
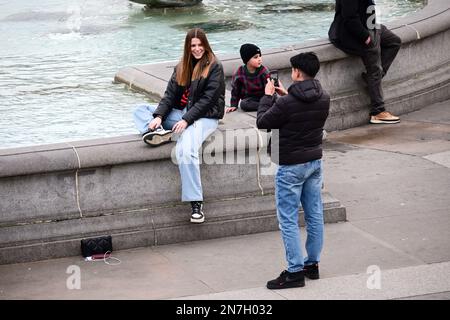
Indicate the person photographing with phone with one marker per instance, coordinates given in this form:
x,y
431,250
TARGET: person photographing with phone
x,y
299,113
249,80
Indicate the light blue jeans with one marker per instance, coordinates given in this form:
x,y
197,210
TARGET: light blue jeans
x,y
187,148
295,184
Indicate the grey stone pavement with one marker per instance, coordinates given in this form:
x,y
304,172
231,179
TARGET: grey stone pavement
x,y
395,183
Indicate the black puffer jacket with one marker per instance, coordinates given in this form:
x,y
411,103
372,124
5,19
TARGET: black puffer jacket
x,y
300,115
350,28
206,96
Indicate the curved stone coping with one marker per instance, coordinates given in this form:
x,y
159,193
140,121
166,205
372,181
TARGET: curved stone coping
x,y
114,151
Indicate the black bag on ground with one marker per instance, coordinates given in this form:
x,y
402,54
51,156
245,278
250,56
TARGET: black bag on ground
x,y
99,245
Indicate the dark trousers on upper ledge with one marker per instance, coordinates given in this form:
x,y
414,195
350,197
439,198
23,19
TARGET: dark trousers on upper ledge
x,y
250,104
377,58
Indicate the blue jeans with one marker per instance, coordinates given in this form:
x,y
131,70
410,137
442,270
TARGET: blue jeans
x,y
295,184
187,148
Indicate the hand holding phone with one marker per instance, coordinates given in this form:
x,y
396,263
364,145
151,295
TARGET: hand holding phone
x,y
274,77
281,90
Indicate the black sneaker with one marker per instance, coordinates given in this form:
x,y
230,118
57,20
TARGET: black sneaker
x,y
157,137
311,271
287,280
197,215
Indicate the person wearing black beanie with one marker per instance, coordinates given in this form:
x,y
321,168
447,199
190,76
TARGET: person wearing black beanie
x,y
249,80
247,51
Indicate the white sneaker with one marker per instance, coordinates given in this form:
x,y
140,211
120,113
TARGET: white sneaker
x,y
197,215
157,137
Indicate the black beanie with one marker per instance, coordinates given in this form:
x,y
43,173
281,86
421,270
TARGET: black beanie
x,y
247,51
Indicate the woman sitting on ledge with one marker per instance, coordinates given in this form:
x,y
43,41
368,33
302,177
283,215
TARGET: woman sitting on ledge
x,y
191,107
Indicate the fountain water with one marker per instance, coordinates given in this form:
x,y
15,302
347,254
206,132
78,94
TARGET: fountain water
x,y
168,3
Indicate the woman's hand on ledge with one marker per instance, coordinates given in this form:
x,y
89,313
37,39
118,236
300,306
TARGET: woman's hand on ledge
x,y
179,126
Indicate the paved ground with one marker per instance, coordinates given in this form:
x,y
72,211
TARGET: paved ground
x,y
394,181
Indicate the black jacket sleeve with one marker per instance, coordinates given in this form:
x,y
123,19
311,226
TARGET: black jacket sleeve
x,y
270,113
352,20
236,86
168,100
215,83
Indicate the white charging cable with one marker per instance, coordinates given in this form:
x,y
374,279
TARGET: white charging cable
x,y
106,256
77,189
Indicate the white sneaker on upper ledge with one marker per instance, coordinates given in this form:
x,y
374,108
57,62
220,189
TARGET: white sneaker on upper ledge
x,y
157,137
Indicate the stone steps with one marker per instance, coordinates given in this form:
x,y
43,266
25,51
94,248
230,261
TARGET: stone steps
x,y
150,226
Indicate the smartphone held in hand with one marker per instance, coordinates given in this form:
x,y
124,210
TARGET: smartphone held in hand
x,y
274,77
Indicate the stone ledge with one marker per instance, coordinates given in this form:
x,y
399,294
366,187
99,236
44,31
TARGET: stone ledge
x,y
115,150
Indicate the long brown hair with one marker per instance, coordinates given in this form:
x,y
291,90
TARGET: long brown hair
x,y
185,70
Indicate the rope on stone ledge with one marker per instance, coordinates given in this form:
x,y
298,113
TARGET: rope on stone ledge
x,y
76,180
417,31
258,160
